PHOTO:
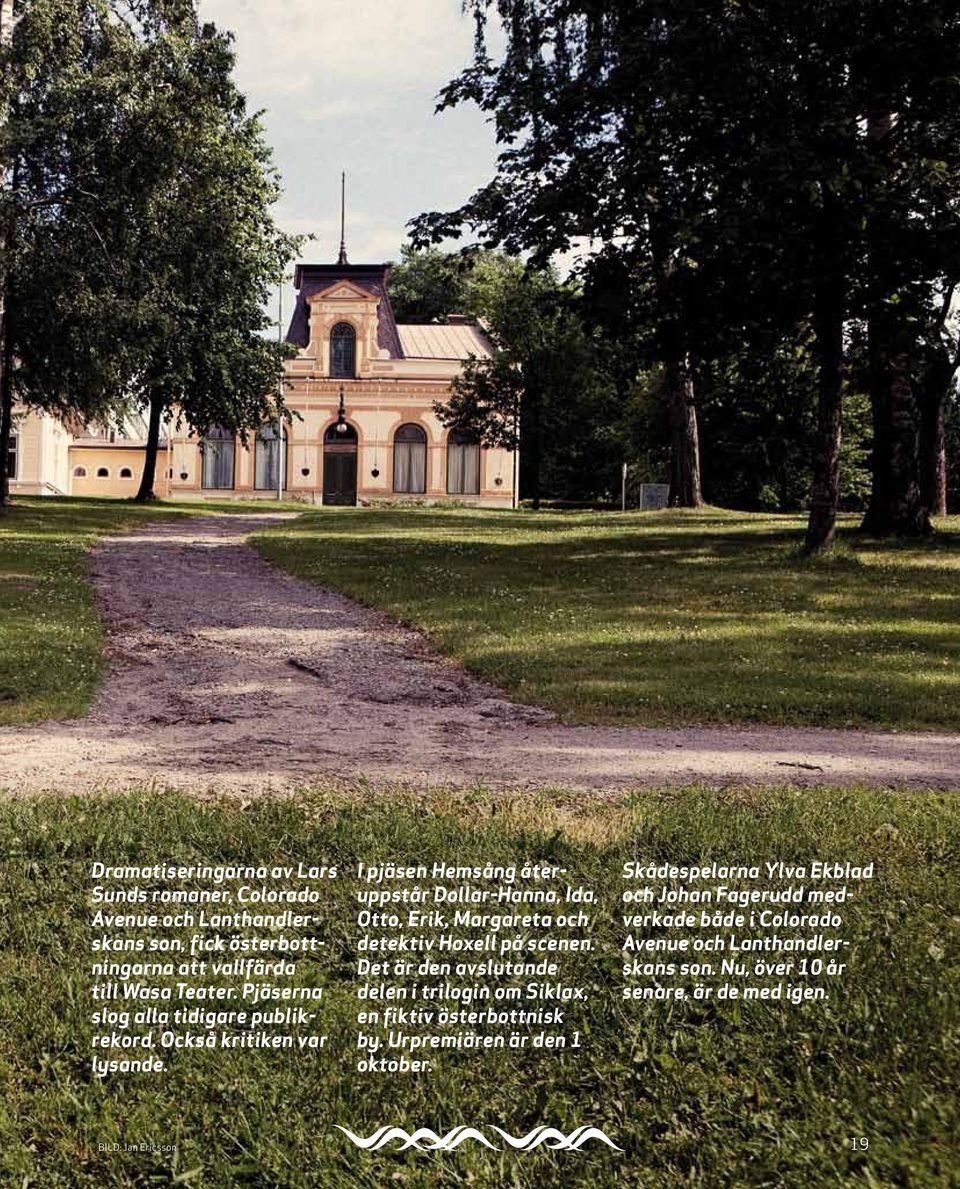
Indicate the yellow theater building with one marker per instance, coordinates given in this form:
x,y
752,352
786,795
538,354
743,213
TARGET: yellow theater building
x,y
360,392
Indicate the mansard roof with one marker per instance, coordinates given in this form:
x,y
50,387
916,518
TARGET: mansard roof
x,y
373,278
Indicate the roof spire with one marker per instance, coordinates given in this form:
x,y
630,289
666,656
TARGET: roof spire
x,y
343,219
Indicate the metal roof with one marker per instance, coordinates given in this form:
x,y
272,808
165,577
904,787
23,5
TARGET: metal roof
x,y
458,341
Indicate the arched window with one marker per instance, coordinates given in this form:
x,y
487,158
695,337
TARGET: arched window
x,y
218,453
79,472
463,465
126,473
103,473
343,352
267,459
410,460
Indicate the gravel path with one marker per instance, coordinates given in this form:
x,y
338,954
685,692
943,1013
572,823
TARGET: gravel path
x,y
229,674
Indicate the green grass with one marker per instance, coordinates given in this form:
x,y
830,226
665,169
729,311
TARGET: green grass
x,y
51,638
657,619
664,618
698,1095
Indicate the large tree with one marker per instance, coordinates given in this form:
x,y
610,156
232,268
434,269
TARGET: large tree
x,y
63,77
206,245
837,191
940,346
905,65
789,178
548,384
851,113
837,186
139,242
593,147
774,166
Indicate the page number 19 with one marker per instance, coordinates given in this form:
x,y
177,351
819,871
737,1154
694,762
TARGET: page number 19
x,y
859,1143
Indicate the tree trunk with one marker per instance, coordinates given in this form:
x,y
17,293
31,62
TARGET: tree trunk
x,y
680,395
6,405
933,438
6,374
147,482
6,303
685,488
939,503
896,504
534,448
828,319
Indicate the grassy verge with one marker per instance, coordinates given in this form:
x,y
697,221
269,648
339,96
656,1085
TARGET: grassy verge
x,y
746,1095
51,640
660,619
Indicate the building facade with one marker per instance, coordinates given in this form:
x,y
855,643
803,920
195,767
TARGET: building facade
x,y
361,427
360,392
48,457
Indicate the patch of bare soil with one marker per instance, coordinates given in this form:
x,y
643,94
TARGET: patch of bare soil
x,y
228,674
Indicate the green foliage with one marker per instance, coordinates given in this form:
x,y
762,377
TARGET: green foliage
x,y
758,412
485,402
429,285
742,170
752,1094
552,370
547,385
660,619
855,451
143,243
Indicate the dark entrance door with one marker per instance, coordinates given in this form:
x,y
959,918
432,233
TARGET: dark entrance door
x,y
340,466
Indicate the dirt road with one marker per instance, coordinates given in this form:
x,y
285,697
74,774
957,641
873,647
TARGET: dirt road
x,y
229,674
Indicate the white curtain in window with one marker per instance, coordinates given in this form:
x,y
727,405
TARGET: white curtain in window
x,y
218,463
267,461
463,468
410,467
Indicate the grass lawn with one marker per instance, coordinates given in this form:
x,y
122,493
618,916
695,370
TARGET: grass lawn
x,y
51,641
719,1094
660,618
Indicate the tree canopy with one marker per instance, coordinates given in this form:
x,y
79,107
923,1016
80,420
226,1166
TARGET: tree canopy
x,y
746,175
140,243
547,385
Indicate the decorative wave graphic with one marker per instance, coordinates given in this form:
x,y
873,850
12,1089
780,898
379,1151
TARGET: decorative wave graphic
x,y
425,1140
556,1140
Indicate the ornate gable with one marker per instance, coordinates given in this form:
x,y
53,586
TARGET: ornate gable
x,y
343,291
354,293
342,300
